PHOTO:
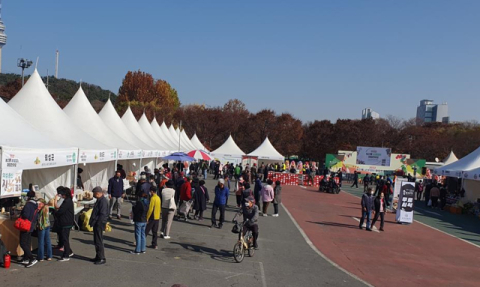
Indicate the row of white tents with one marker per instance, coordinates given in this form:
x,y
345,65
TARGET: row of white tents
x,y
42,144
467,168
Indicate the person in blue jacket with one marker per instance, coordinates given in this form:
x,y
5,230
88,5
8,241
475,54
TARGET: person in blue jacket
x,y
221,197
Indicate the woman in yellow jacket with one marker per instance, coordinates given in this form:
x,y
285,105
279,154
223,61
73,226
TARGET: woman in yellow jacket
x,y
153,216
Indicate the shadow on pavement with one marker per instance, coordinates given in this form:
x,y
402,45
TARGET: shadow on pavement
x,y
220,255
335,224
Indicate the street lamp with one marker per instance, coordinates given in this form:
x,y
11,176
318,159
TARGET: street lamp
x,y
24,64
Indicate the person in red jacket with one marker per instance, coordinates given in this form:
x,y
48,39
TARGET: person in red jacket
x,y
186,193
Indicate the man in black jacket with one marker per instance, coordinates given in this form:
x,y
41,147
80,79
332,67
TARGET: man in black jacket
x,y
98,220
116,193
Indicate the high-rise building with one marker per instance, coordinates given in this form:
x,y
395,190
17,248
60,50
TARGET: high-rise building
x,y
368,113
3,36
429,112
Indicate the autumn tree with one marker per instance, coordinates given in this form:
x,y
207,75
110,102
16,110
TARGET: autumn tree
x,y
142,92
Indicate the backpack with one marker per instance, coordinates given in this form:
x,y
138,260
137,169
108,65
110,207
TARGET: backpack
x,y
420,187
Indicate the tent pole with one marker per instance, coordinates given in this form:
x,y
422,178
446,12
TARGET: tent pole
x,y
75,174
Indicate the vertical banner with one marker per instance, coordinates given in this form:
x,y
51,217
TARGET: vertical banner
x,y
396,193
405,202
11,183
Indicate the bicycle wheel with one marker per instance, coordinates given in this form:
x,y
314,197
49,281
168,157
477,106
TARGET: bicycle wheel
x,y
238,252
251,251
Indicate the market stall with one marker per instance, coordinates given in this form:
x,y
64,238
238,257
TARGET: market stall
x,y
267,153
164,146
84,116
197,143
228,152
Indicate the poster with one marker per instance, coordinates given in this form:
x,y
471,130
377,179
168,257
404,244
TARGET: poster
x,y
396,193
375,156
405,202
11,183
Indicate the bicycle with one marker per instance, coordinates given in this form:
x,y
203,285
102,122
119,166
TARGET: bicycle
x,y
244,244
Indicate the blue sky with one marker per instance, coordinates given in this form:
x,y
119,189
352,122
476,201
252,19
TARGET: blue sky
x,y
315,59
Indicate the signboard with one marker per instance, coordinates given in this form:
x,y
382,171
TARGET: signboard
x,y
405,202
376,156
92,156
11,183
15,161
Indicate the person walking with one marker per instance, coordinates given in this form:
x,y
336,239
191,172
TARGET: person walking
x,y
201,199
239,188
139,211
65,216
256,191
366,182
380,210
43,230
168,209
30,213
98,221
221,196
367,203
277,197
355,179
115,193
153,217
186,196
267,196
434,195
419,190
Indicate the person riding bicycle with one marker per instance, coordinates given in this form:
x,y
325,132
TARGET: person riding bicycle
x,y
250,218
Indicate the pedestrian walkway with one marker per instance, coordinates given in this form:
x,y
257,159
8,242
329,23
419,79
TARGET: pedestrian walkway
x,y
196,255
403,255
462,226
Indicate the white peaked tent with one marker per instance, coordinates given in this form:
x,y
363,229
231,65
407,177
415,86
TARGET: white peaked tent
x,y
23,157
177,131
168,135
196,142
176,138
455,169
130,162
451,158
37,106
266,151
187,141
165,149
229,151
84,116
131,123
166,138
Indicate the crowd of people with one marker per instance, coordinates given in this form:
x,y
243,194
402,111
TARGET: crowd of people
x,y
163,195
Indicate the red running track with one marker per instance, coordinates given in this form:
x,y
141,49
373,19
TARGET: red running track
x,y
403,255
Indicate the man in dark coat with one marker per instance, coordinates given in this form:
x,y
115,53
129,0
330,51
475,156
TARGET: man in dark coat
x,y
115,192
98,221
256,191
368,206
201,199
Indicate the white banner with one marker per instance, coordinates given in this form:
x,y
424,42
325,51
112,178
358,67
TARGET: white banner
x,y
92,156
15,161
20,159
405,202
129,154
373,156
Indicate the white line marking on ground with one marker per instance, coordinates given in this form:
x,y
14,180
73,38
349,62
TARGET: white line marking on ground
x,y
309,242
303,186
262,272
451,235
365,225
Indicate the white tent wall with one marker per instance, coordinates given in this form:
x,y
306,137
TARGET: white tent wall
x,y
97,174
48,179
149,162
472,189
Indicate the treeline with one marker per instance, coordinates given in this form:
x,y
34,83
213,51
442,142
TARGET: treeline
x,y
62,90
313,140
